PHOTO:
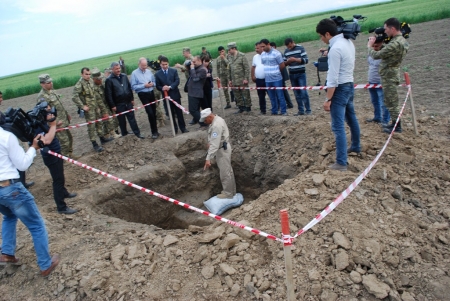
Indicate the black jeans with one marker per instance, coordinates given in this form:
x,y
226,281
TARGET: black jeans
x,y
178,113
122,107
56,168
194,107
207,97
148,97
261,82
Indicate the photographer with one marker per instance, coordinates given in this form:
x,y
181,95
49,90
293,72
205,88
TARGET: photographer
x,y
17,203
391,56
54,164
340,91
198,74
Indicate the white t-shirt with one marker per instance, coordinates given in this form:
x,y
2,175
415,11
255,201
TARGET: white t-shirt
x,y
259,67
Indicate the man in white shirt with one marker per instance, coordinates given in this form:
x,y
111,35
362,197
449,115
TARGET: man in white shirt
x,y
258,77
340,91
17,203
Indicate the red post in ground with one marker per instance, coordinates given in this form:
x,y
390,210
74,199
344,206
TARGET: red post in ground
x,y
287,242
220,96
413,110
166,96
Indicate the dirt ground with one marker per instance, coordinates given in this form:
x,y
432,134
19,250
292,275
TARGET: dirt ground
x,y
389,240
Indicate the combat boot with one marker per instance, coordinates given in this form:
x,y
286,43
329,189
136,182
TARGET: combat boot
x,y
398,129
105,140
97,147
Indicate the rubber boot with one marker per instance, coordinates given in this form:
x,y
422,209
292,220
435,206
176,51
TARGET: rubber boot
x,y
97,147
389,128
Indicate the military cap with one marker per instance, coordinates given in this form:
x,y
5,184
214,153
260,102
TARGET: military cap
x,y
45,78
107,70
203,48
186,49
231,45
96,73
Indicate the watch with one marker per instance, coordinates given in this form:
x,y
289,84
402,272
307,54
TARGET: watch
x,y
327,99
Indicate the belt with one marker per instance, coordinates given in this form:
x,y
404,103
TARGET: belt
x,y
297,72
6,183
346,84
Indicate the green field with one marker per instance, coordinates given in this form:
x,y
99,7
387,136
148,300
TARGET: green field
x,y
301,28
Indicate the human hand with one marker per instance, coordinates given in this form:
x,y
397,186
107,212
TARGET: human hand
x,y
59,123
245,81
113,109
69,117
371,42
254,79
86,108
105,115
35,144
327,105
207,165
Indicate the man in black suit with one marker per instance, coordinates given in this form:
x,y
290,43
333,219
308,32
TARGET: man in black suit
x,y
167,80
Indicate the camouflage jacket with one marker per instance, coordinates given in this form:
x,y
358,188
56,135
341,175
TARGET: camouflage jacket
x,y
83,93
222,67
54,101
239,68
99,92
391,56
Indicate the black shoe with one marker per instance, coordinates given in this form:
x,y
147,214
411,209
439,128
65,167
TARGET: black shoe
x,y
71,195
290,106
248,109
184,131
176,131
97,147
28,185
192,122
106,140
140,136
155,136
227,107
373,120
67,211
239,111
389,128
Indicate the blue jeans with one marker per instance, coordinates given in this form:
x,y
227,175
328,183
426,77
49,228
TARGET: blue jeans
x,y
17,203
342,110
275,96
377,98
302,97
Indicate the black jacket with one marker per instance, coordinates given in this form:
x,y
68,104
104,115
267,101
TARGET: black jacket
x,y
172,79
118,90
197,81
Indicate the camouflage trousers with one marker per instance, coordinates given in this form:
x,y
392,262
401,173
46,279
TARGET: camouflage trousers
x,y
391,97
242,96
224,84
94,129
110,125
66,141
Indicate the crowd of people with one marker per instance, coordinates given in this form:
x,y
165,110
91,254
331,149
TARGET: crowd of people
x,y
112,92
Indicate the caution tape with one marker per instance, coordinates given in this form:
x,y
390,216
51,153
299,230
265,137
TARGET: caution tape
x,y
344,194
357,86
166,198
178,105
106,118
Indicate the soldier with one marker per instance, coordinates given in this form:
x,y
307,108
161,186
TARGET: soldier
x,y
239,74
222,73
109,126
62,119
106,74
186,65
84,98
391,56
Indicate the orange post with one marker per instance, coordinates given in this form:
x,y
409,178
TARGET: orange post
x,y
287,242
166,96
220,96
413,110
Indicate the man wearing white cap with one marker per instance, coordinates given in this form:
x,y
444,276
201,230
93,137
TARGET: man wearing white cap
x,y
219,146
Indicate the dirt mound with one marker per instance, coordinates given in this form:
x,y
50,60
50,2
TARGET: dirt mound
x,y
388,240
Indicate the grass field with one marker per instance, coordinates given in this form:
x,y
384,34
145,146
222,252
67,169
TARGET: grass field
x,y
301,29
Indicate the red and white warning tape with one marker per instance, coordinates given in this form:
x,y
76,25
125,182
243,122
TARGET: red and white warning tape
x,y
178,105
106,118
344,194
357,86
166,198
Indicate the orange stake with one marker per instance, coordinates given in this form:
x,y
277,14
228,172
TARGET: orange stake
x,y
413,110
287,242
166,96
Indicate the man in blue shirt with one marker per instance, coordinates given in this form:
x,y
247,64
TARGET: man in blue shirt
x,y
273,64
340,91
142,82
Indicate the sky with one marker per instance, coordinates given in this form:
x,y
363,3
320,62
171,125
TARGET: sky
x,y
40,33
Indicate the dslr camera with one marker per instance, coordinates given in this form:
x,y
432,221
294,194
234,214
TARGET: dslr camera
x,y
23,125
381,36
350,28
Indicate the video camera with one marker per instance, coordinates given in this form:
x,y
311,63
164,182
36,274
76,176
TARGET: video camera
x,y
155,65
350,28
381,36
23,125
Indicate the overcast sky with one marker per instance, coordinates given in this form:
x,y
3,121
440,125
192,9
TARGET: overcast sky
x,y
41,33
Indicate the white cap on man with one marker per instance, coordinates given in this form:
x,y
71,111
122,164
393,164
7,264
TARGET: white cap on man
x,y
205,113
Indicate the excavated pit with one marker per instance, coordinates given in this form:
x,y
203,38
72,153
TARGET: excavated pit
x,y
181,176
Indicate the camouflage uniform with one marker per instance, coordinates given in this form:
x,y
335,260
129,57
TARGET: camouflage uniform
x,y
160,116
391,56
239,70
83,95
65,137
222,73
110,125
184,69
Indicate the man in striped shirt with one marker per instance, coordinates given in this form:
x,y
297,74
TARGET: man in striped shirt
x,y
273,64
296,59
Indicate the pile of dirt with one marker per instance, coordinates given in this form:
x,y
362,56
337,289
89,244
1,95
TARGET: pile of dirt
x,y
388,240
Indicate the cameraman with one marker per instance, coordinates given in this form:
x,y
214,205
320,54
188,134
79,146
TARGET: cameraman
x,y
391,56
340,91
17,203
54,164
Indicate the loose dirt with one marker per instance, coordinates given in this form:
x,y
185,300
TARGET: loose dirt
x,y
388,240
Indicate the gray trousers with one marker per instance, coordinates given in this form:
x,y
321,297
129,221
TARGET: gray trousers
x,y
223,159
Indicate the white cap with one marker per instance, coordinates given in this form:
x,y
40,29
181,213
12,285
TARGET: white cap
x,y
204,113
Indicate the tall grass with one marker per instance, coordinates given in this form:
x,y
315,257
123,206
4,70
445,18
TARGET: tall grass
x,y
301,29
